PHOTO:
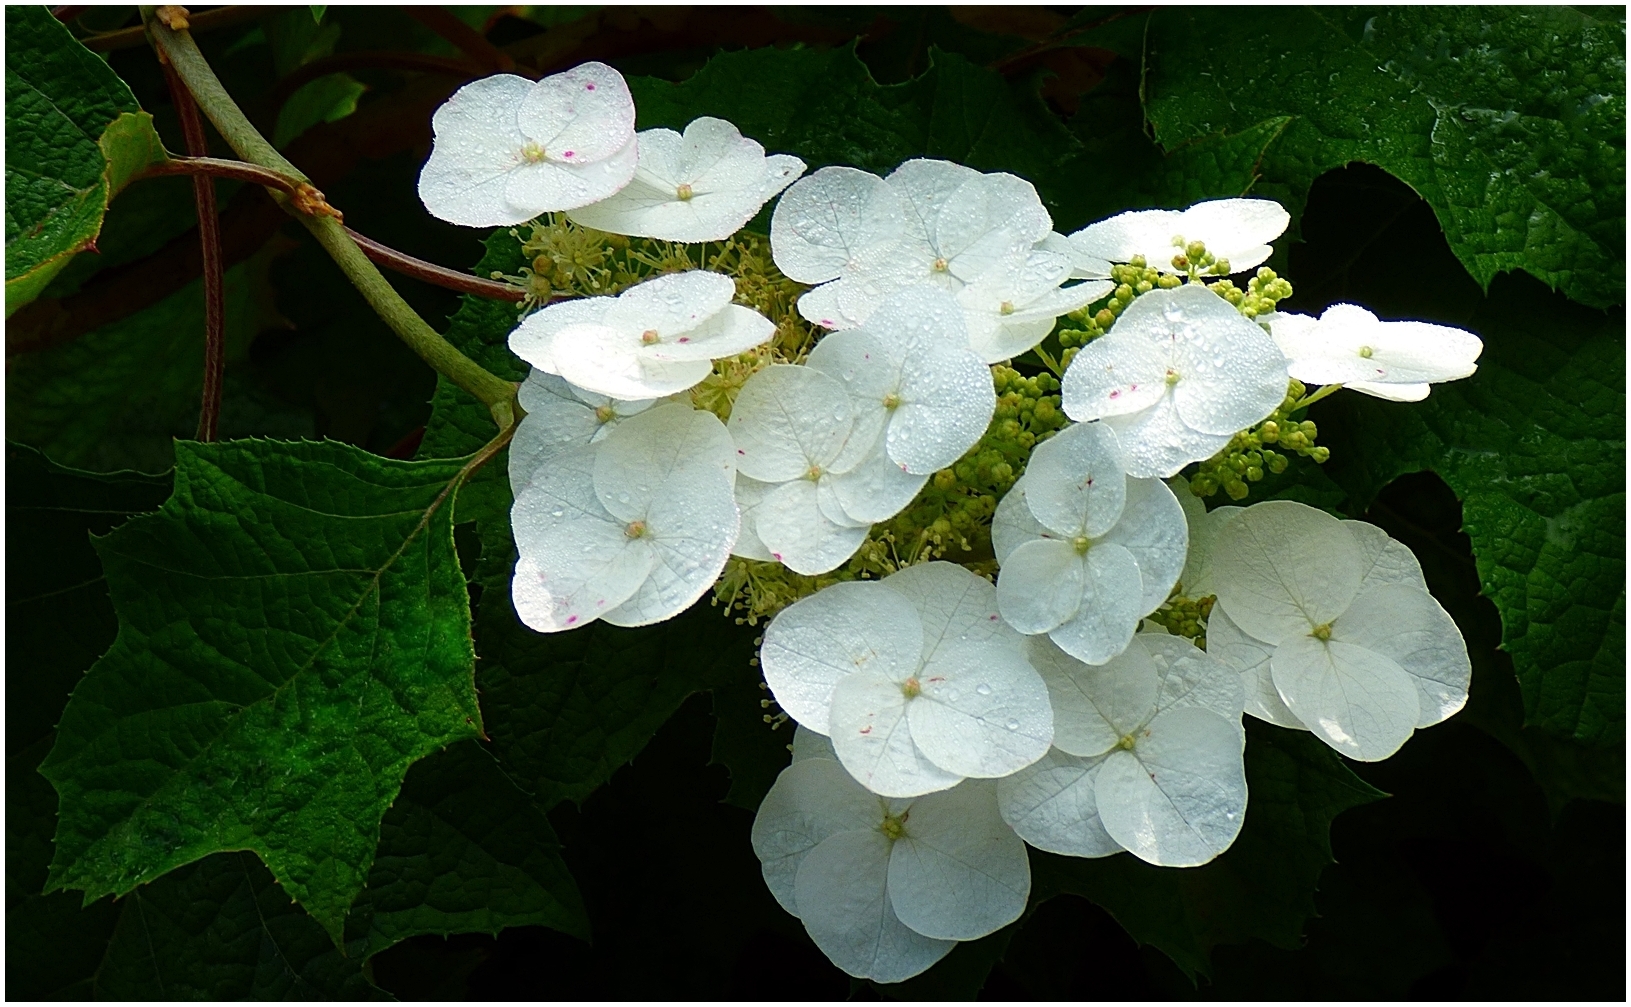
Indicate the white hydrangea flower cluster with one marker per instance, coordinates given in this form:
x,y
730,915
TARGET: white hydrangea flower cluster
x,y
946,721
985,238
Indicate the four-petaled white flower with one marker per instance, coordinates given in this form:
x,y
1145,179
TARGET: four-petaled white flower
x,y
1085,551
560,417
1177,376
508,149
1236,231
916,679
1355,648
631,530
1349,346
1147,756
702,186
930,222
654,339
887,887
796,482
917,388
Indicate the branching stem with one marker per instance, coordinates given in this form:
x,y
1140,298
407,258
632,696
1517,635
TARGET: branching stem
x,y
209,238
178,48
441,276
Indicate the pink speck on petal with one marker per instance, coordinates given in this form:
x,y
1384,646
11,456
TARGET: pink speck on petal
x,y
1115,393
993,617
778,556
683,339
568,154
827,322
866,730
1132,388
571,619
588,87
740,451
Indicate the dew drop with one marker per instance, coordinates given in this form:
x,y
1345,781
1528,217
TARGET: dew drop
x,y
557,513
1012,725
953,695
983,689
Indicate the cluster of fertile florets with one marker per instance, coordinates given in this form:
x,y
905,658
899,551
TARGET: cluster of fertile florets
x,y
1265,448
690,429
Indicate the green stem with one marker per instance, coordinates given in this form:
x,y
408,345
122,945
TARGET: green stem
x,y
1050,363
1308,400
240,134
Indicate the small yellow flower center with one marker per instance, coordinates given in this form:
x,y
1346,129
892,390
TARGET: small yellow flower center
x,y
940,265
1127,742
894,827
605,414
1081,544
1322,632
814,473
1007,307
649,336
891,400
1366,351
636,529
1172,377
683,190
531,152
911,688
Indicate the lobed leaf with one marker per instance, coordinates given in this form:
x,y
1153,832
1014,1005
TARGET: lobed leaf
x,y
1509,121
74,136
294,633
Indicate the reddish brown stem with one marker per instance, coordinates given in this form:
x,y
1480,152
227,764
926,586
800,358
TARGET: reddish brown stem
x,y
129,38
465,38
407,265
209,238
216,167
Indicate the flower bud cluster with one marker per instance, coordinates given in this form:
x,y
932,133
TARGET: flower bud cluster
x,y
1184,616
1252,453
1262,293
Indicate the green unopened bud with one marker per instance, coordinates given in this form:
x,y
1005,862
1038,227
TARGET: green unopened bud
x,y
1144,286
1195,250
1270,432
1104,318
945,479
1124,293
1180,262
1321,454
1236,489
1254,474
1138,261
1169,282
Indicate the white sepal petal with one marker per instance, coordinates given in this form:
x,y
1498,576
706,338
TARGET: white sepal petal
x,y
811,800
983,711
1052,804
842,891
873,738
1283,569
838,631
1153,529
1178,797
959,872
1356,700
1407,625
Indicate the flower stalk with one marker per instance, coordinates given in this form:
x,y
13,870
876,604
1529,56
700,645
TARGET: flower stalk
x,y
178,49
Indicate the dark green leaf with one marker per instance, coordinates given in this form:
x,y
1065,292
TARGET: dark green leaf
x,y
294,633
463,851
1509,121
744,744
223,929
118,397
1262,886
60,98
56,600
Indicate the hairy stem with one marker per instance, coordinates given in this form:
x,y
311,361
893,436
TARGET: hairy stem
x,y
209,238
178,48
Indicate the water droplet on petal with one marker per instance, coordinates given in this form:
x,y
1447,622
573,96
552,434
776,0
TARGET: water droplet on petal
x,y
983,689
1012,725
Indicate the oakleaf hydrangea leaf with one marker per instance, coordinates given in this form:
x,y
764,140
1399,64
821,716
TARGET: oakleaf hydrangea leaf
x,y
1510,122
61,170
463,851
294,633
